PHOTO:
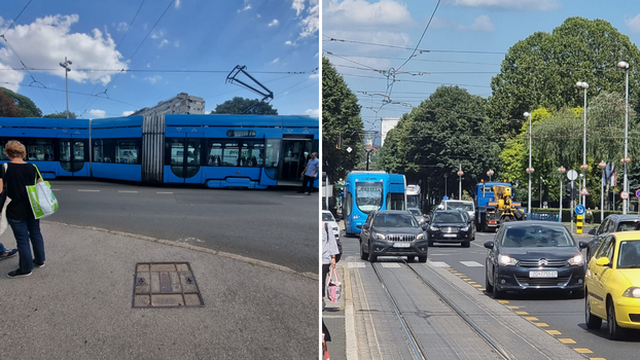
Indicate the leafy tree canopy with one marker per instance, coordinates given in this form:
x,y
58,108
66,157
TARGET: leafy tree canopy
x,y
341,123
26,107
542,70
60,115
239,104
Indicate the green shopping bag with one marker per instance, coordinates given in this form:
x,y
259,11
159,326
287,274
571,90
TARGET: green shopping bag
x,y
43,202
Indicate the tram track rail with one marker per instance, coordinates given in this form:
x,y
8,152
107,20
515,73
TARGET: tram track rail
x,y
416,348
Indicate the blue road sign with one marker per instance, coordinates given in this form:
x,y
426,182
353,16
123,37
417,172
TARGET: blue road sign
x,y
638,193
580,210
445,198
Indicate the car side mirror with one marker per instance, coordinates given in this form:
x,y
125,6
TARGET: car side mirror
x,y
489,245
603,261
592,232
583,244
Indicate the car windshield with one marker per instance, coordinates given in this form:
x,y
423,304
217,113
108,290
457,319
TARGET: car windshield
x,y
327,217
455,205
629,255
442,218
394,220
415,212
537,236
628,225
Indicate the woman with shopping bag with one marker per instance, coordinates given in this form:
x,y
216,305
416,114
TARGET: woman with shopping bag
x,y
17,175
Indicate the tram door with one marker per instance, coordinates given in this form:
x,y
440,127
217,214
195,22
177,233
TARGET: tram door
x,y
72,155
184,157
296,152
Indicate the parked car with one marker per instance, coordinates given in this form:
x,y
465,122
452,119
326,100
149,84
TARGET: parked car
x,y
611,224
612,284
463,205
422,219
532,256
469,221
447,226
327,217
392,232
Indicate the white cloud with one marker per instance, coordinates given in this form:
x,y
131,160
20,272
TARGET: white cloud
x,y
157,35
11,77
481,24
288,42
258,16
163,43
97,113
127,113
298,6
275,61
346,14
633,24
311,23
248,7
177,4
274,22
153,79
535,5
48,40
314,76
148,65
176,43
313,113
122,27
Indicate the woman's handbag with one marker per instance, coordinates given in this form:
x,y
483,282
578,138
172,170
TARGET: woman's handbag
x,y
334,289
43,202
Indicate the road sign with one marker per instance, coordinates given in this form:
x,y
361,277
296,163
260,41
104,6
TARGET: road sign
x,y
580,210
572,175
638,193
349,149
624,195
584,191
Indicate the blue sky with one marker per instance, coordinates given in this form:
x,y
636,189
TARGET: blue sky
x,y
472,37
192,49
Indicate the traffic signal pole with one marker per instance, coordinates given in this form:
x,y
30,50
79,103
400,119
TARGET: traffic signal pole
x,y
571,208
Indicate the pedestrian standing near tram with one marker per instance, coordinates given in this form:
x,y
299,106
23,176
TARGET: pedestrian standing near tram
x,y
329,252
20,217
309,173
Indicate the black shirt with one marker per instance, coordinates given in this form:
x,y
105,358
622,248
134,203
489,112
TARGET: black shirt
x,y
16,179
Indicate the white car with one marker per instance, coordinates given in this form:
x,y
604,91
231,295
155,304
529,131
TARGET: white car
x,y
327,217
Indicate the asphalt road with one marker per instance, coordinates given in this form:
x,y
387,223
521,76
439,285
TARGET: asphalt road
x,y
276,225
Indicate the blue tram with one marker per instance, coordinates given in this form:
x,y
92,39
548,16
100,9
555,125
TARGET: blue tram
x,y
218,151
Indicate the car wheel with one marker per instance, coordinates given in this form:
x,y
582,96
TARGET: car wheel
x,y
422,259
615,331
372,257
487,285
411,258
497,294
363,254
593,322
465,244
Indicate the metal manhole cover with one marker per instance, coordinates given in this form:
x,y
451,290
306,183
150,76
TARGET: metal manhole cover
x,y
165,285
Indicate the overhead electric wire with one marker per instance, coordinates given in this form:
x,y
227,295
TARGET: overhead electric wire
x,y
16,19
421,37
485,52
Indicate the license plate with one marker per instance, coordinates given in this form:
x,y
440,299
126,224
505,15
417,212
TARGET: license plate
x,y
543,274
401,245
451,235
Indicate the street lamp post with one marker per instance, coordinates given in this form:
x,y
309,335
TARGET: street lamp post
x,y
602,165
541,182
561,170
490,174
460,173
445,184
625,66
65,65
584,166
530,168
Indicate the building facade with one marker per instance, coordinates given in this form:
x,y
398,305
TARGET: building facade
x,y
387,124
183,103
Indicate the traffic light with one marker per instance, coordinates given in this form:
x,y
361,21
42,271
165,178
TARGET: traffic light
x,y
572,191
569,189
575,193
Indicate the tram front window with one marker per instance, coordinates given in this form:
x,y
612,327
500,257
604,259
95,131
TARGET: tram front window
x,y
369,196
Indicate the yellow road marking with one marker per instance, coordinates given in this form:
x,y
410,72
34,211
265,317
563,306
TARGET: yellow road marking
x,y
567,341
541,324
583,351
532,318
466,279
554,332
522,313
513,307
597,359
481,289
476,285
503,301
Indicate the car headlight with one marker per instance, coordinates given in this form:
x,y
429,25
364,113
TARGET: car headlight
x,y
420,237
466,228
577,260
379,236
506,260
633,292
434,228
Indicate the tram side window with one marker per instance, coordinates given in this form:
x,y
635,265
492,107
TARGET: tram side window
x,y
256,155
40,150
103,150
214,156
231,153
272,153
3,143
127,152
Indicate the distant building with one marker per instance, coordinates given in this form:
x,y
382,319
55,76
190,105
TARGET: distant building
x,y
183,103
387,124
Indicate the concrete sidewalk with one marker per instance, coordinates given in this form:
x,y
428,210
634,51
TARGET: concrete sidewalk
x,y
79,306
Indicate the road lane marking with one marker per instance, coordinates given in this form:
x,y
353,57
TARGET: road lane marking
x,y
390,265
583,350
352,265
567,341
503,301
597,359
471,264
533,318
441,264
127,192
522,313
165,192
541,324
79,190
482,289
476,285
513,307
553,332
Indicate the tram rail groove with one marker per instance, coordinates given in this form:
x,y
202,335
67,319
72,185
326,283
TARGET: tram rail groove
x,y
417,348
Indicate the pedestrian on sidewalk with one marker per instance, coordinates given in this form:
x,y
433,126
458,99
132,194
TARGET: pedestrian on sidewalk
x,y
309,173
329,252
25,226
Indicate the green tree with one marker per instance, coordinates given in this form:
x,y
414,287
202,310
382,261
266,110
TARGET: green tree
x,y
342,127
26,107
60,115
446,131
8,107
542,70
240,104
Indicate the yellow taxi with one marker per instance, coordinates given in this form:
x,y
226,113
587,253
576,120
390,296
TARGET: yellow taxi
x,y
612,284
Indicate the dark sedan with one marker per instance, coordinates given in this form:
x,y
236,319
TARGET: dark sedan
x,y
392,232
534,255
612,223
449,226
